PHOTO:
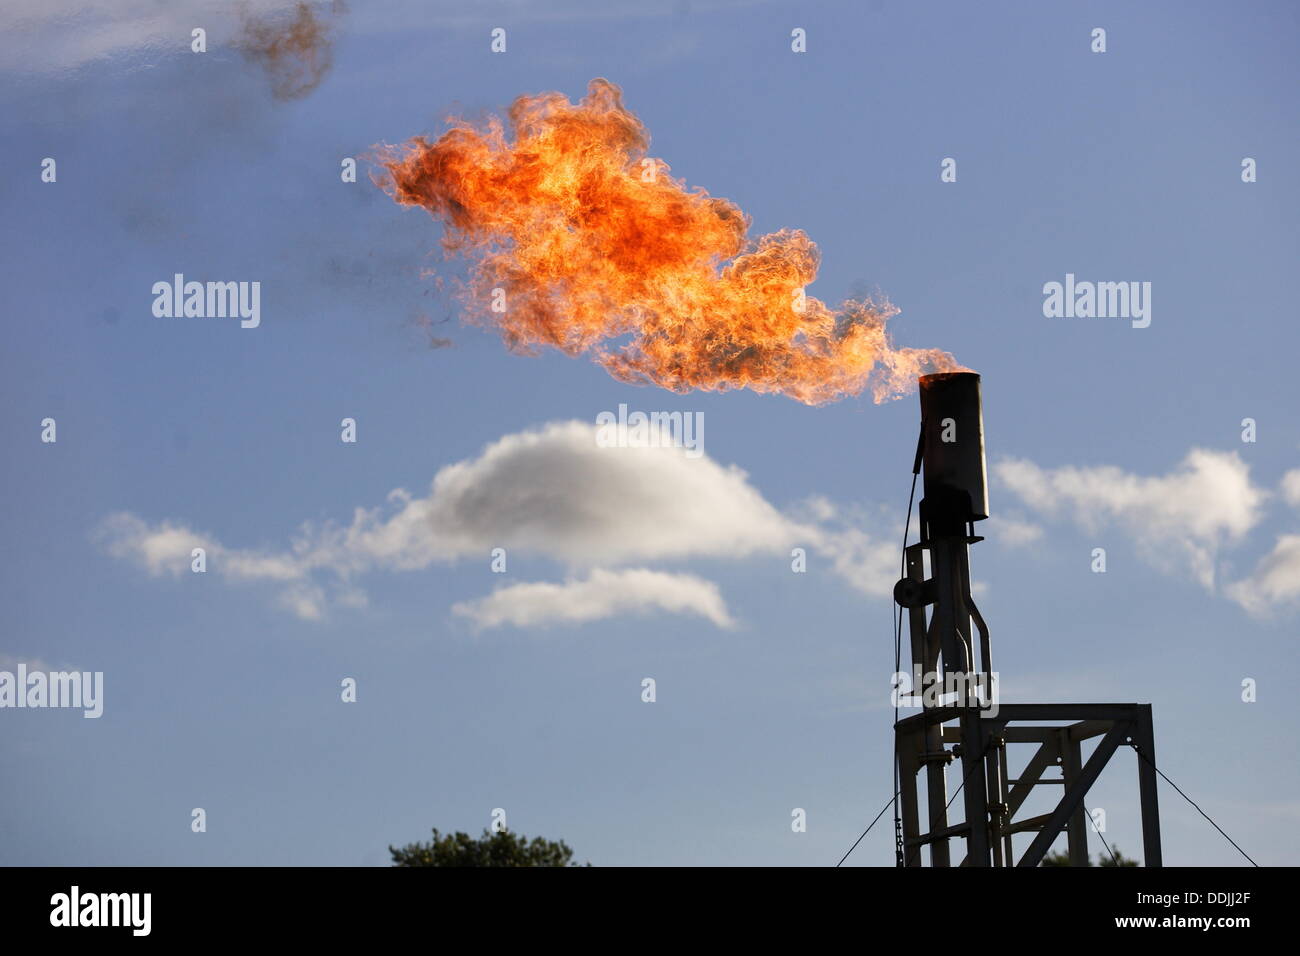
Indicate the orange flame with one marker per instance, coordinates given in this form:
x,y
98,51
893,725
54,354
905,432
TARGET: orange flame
x,y
591,242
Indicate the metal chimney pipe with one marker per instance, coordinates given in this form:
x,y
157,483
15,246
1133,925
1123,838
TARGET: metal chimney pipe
x,y
955,496
956,477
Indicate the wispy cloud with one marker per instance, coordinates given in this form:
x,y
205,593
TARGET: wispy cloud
x,y
1012,531
1188,518
551,492
602,594
1275,583
1291,488
554,492
59,35
1184,517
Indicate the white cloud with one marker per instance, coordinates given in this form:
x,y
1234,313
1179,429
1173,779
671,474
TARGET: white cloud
x,y
602,594
306,601
1276,581
1291,487
1012,531
163,548
1184,517
555,493
58,35
552,492
869,561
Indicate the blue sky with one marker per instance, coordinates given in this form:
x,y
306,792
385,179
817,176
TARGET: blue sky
x,y
1124,165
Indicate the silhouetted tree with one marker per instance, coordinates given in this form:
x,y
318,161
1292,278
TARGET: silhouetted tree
x,y
1120,859
491,849
1063,859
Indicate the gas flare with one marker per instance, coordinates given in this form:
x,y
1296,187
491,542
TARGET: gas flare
x,y
578,240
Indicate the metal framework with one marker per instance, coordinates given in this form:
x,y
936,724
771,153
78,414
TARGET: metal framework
x,y
997,800
979,730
